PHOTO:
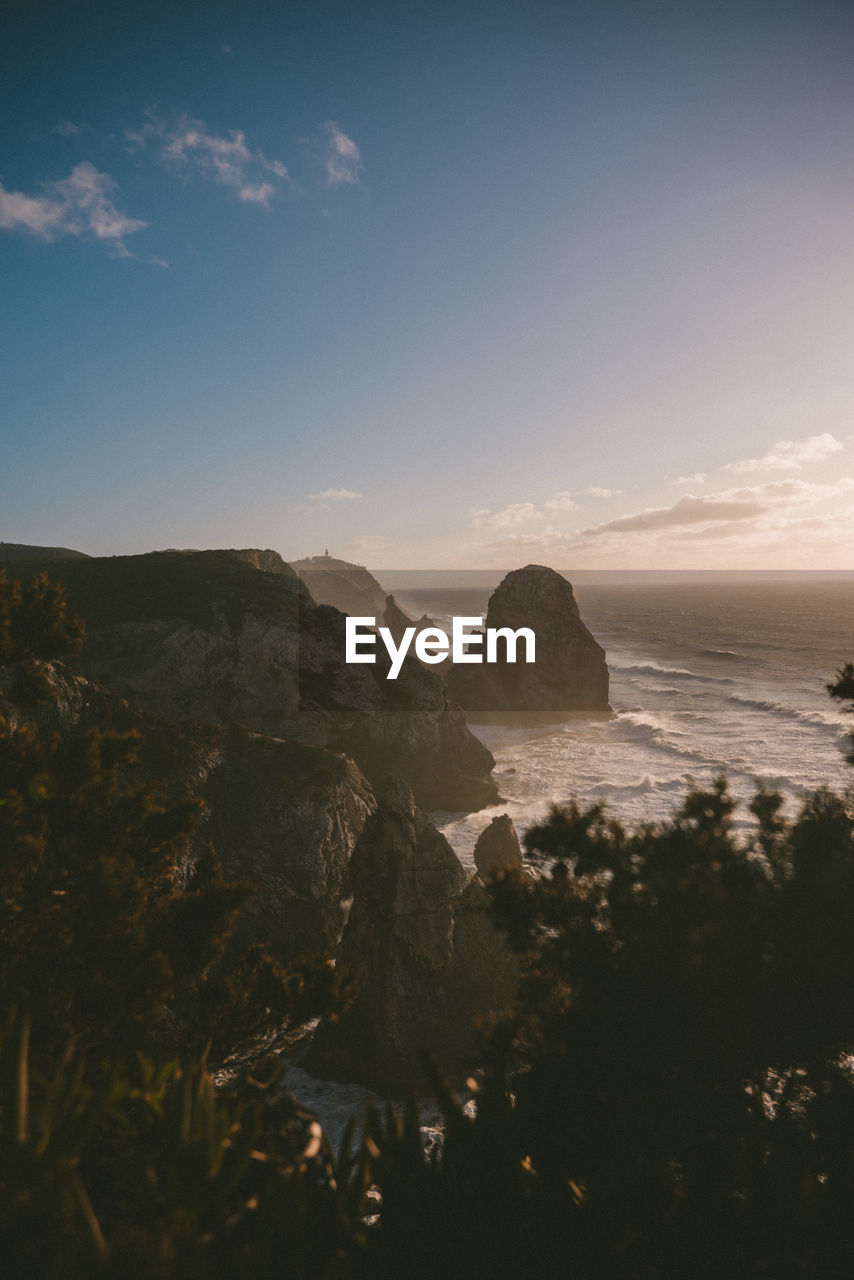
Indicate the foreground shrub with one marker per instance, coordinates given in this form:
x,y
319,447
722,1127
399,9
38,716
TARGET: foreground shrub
x,y
674,1094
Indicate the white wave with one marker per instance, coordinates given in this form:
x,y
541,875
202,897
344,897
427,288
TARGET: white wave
x,y
728,655
672,673
820,719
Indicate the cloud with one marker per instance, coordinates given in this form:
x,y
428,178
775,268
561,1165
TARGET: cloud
x,y
517,513
189,145
560,502
595,492
335,495
80,205
730,507
791,455
158,262
688,510
341,157
699,477
784,523
67,129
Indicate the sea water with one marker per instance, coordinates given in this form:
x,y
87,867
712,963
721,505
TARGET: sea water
x,y
708,676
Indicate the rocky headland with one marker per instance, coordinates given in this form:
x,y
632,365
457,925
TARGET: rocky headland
x,y
234,637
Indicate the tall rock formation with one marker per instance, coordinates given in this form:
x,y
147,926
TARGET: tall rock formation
x,y
569,673
421,946
497,848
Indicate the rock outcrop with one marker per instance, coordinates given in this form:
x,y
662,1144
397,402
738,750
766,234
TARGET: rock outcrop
x,y
570,672
283,817
395,619
421,946
234,637
497,848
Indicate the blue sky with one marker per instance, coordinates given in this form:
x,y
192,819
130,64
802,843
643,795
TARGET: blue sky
x,y
453,285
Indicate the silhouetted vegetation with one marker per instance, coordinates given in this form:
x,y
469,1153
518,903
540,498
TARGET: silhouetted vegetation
x,y
672,1096
109,1163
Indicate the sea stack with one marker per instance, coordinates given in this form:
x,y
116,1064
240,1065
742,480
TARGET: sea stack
x,y
569,672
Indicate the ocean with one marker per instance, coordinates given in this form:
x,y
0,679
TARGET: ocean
x,y
710,674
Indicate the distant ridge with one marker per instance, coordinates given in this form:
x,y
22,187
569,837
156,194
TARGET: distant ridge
x,y
348,587
12,551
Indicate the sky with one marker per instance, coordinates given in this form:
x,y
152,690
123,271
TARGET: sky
x,y
456,285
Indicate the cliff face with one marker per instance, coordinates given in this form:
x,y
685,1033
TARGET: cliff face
x,y
420,943
283,817
406,727
234,637
570,672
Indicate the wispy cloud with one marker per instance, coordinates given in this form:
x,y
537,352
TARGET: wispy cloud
x,y
792,520
561,501
335,495
342,159
744,505
80,205
595,492
517,513
791,455
698,477
68,129
189,146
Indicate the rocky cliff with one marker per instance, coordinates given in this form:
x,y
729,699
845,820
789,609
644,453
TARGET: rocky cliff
x,y
233,637
570,672
283,817
421,946
348,587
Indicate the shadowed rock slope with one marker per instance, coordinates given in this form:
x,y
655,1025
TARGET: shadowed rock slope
x,y
423,950
282,816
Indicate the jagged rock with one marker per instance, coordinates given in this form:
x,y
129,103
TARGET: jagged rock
x,y
283,817
497,847
570,672
234,637
395,619
425,955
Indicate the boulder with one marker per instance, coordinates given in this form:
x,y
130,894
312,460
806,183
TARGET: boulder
x,y
569,672
497,848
